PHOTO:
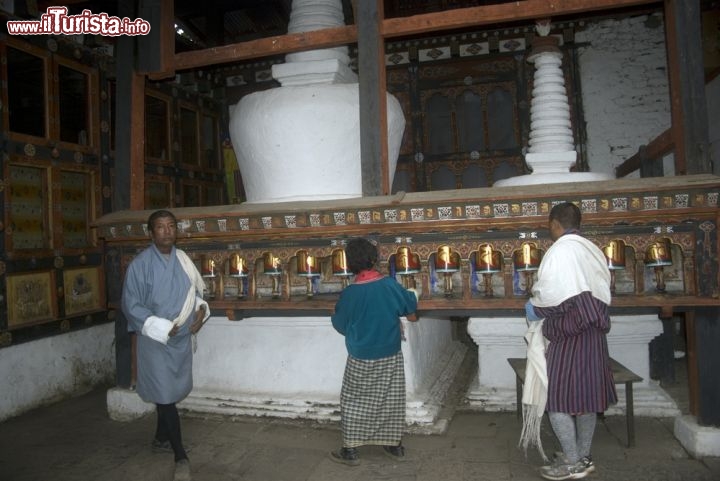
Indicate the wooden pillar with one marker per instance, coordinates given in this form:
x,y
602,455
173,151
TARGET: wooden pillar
x,y
129,168
687,87
704,330
123,111
650,167
373,101
156,50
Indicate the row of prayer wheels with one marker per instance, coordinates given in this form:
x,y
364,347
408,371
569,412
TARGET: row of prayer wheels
x,y
306,265
488,260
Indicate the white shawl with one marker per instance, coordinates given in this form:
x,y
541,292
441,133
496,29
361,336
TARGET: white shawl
x,y
197,285
571,265
535,388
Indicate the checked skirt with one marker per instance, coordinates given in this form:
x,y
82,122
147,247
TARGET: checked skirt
x,y
372,401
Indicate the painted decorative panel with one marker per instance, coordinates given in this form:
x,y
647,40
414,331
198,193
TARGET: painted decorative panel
x,y
31,298
75,202
28,207
84,290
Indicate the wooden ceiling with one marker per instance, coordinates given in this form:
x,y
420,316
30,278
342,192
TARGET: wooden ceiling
x,y
214,23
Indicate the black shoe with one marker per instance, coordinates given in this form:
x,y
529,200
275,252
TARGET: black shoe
x,y
165,447
347,456
395,452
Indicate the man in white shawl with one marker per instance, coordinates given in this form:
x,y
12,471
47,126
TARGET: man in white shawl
x,y
572,297
162,302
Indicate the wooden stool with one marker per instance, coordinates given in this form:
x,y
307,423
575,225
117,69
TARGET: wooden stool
x,y
621,375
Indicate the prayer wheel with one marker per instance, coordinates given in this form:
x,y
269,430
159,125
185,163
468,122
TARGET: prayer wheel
x,y
307,265
339,263
207,267
527,258
406,262
271,264
446,260
488,259
238,266
658,254
615,254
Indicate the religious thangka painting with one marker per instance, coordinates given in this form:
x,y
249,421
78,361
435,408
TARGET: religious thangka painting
x,y
83,290
31,298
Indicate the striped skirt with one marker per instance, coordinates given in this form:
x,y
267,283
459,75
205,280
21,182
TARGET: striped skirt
x,y
372,401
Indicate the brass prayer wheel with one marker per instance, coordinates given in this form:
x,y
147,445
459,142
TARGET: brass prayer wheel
x,y
238,266
615,254
658,254
446,260
207,267
307,265
488,260
339,263
406,262
527,258
271,264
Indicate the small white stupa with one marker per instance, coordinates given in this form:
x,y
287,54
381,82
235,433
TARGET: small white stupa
x,y
551,148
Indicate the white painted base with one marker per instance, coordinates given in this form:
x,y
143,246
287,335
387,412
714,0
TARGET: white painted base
x,y
502,338
698,440
293,368
126,405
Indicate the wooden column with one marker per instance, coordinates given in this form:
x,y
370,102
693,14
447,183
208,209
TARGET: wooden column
x,y
687,87
129,173
705,398
373,101
123,112
156,50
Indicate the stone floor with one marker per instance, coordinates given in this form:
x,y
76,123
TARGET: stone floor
x,y
74,440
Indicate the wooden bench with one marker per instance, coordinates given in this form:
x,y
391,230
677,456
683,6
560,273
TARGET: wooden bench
x,y
621,375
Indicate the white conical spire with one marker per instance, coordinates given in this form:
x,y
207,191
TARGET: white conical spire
x,y
321,66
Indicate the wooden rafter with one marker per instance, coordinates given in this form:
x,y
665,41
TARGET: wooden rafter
x,y
396,27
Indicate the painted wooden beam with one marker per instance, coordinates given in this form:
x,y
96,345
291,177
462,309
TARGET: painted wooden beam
x,y
396,27
264,47
499,13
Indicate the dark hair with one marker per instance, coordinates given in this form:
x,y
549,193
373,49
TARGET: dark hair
x,y
361,254
567,214
159,214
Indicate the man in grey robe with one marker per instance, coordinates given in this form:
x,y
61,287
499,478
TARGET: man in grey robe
x,y
162,302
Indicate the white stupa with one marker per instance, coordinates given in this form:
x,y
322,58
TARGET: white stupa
x,y
551,147
301,141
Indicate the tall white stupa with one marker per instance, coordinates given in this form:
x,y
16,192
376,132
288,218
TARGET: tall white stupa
x,y
551,148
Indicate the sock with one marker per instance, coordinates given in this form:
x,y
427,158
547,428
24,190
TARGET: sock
x,y
563,425
585,424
